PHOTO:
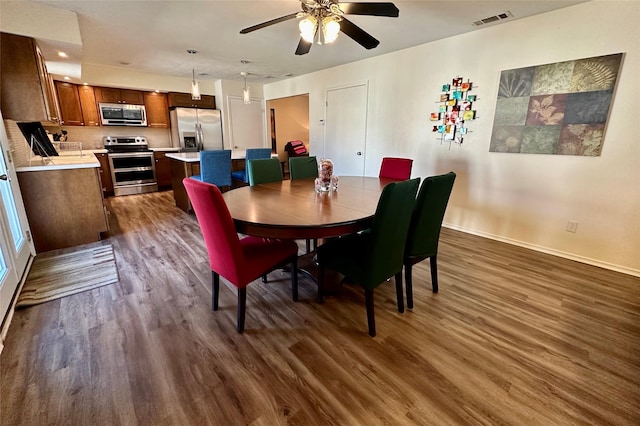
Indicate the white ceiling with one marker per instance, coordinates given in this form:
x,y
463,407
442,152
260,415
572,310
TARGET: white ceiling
x,y
153,36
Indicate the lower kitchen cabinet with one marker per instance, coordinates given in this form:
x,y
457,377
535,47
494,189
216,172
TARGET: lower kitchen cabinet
x,y
65,208
105,174
163,170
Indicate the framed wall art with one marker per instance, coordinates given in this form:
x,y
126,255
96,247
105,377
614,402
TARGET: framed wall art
x,y
560,108
456,108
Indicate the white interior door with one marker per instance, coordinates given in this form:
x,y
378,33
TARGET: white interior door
x,y
247,124
346,129
15,247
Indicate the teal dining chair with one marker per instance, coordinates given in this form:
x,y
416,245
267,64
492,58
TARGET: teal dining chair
x,y
424,231
215,167
303,167
251,154
264,171
371,257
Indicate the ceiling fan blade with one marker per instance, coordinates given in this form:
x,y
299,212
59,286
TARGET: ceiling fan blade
x,y
359,35
268,23
303,47
375,9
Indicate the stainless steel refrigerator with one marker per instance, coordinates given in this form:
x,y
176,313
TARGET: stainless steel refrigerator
x,y
195,129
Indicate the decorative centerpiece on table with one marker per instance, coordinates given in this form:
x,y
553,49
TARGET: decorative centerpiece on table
x,y
325,173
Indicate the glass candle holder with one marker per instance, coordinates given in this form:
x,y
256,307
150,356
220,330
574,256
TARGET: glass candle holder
x,y
334,182
325,172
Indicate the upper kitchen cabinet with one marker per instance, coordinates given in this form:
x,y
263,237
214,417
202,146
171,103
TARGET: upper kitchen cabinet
x,y
28,92
89,108
77,104
69,104
118,96
157,109
177,99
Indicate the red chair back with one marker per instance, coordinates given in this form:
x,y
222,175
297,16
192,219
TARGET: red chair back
x,y
396,168
219,232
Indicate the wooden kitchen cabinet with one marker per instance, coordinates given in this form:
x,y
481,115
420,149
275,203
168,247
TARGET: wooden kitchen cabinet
x,y
118,96
89,107
65,208
105,174
157,109
69,104
163,170
28,92
178,99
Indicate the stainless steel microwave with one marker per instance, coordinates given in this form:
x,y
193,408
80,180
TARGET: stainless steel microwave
x,y
122,115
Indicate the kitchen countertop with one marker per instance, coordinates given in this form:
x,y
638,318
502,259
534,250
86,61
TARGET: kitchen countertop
x,y
62,162
166,149
194,157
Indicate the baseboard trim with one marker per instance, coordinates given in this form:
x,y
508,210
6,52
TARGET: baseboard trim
x,y
570,256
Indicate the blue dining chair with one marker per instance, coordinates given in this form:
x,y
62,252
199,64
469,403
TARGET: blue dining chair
x,y
215,167
251,154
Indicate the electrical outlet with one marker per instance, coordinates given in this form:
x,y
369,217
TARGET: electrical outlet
x,y
572,226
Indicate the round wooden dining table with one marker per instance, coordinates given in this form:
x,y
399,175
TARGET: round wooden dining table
x,y
292,209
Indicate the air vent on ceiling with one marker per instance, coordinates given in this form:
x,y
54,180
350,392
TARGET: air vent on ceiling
x,y
490,19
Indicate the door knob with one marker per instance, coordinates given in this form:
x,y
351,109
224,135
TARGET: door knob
x,y
4,177
358,153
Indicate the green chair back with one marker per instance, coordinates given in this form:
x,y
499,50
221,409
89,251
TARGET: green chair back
x,y
426,221
389,232
303,167
264,171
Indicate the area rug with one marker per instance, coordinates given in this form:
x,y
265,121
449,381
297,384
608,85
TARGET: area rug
x,y
62,275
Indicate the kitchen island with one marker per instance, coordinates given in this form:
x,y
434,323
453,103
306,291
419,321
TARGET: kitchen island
x,y
63,200
185,164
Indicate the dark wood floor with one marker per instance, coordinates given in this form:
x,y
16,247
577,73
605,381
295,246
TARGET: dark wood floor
x,y
514,337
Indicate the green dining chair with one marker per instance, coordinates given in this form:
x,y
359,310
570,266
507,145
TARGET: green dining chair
x,y
424,231
264,171
303,167
369,258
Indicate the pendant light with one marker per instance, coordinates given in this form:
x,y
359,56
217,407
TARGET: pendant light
x,y
195,88
246,95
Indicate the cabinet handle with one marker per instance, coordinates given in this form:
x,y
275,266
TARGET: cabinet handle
x,y
4,177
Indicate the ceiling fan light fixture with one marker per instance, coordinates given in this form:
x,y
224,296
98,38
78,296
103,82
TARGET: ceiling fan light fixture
x,y
307,28
195,88
330,29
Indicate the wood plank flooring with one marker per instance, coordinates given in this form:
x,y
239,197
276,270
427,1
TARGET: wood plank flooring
x,y
514,337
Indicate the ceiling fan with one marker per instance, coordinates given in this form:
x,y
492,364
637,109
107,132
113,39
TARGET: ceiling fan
x,y
324,19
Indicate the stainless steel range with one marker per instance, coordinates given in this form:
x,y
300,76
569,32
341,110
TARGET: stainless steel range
x,y
133,169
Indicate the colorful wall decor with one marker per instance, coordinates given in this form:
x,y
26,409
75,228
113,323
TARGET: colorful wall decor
x,y
560,108
456,107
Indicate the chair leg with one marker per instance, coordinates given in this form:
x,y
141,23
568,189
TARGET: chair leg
x,y
215,290
409,284
320,298
399,297
315,244
434,272
371,320
294,278
242,307
308,243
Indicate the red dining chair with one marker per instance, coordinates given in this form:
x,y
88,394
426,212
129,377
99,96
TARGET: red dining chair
x,y
396,168
239,260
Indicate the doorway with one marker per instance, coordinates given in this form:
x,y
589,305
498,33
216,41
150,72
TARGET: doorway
x,y
346,128
16,248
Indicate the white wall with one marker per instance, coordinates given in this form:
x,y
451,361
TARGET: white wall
x,y
519,198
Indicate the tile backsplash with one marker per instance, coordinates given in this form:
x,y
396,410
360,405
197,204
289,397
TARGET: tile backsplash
x,y
91,137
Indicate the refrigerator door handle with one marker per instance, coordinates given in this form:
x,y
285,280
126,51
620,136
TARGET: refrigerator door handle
x,y
201,136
